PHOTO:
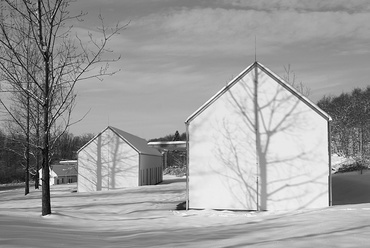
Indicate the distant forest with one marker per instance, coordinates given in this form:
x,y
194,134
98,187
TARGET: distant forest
x,y
350,137
350,128
13,160
171,137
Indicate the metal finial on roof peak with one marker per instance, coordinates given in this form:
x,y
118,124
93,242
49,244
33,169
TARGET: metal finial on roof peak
x,y
255,48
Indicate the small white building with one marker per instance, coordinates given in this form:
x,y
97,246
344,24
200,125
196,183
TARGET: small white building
x,y
53,177
115,159
258,144
62,173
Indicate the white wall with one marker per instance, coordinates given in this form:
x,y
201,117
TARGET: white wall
x,y
222,171
292,169
108,162
294,142
53,177
151,171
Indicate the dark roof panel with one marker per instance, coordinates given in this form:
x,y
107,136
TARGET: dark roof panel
x,y
64,170
139,144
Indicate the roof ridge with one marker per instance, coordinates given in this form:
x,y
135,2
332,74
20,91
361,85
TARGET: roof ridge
x,y
273,75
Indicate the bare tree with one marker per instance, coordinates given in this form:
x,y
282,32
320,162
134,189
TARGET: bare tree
x,y
19,111
64,60
23,125
290,78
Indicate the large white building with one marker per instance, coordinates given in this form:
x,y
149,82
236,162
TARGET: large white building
x,y
258,144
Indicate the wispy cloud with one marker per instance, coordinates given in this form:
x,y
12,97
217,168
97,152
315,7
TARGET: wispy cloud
x,y
205,30
176,54
301,5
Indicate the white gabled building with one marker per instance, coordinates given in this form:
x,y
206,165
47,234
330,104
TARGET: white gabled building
x,y
258,144
115,159
62,173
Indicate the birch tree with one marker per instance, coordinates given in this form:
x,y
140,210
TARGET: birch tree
x,y
59,61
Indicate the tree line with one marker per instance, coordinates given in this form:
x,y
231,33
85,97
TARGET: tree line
x,y
13,159
13,151
350,128
171,137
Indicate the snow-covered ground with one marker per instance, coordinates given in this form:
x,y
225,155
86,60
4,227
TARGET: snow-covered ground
x,y
338,161
147,217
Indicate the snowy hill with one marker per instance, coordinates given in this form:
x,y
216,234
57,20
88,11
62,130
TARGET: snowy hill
x,y
147,217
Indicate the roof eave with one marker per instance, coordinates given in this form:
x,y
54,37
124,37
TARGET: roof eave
x,y
270,73
295,92
87,143
219,93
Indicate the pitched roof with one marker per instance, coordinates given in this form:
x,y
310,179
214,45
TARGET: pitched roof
x,y
64,170
168,145
137,143
274,76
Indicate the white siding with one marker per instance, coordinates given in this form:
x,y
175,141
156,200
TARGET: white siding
x,y
292,170
222,171
294,150
150,169
53,177
107,162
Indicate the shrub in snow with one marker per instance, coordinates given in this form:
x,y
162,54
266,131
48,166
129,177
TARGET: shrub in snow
x,y
355,164
178,171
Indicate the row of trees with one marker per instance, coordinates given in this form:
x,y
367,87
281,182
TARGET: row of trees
x,y
350,132
41,60
13,157
175,160
350,128
171,137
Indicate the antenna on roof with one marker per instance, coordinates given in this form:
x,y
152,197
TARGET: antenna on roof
x,y
255,48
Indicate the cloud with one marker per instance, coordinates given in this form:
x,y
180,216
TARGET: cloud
x,y
183,52
301,5
206,30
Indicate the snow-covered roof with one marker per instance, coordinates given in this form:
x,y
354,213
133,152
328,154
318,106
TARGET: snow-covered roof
x,y
71,162
137,143
271,74
168,145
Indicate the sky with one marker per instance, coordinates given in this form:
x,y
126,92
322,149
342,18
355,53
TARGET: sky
x,y
175,55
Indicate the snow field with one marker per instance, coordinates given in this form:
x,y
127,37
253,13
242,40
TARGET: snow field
x,y
147,217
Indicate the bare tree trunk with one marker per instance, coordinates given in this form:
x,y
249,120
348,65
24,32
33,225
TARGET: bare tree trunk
x,y
46,206
361,150
37,179
27,179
